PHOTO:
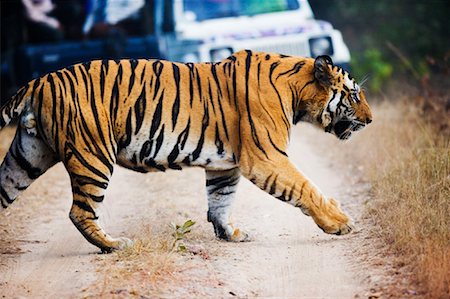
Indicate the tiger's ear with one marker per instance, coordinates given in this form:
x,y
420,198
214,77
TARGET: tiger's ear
x,y
322,70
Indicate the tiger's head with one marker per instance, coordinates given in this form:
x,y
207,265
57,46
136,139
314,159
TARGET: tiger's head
x,y
340,106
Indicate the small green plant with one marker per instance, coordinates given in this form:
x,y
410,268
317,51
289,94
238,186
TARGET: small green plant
x,y
372,63
179,233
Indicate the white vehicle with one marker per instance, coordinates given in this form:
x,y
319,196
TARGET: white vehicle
x,y
281,26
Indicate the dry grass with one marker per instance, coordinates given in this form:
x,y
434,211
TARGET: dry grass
x,y
150,262
408,164
153,267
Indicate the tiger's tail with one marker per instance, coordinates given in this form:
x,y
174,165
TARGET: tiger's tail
x,y
15,105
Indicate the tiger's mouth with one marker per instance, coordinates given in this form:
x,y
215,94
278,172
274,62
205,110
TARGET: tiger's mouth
x,y
343,129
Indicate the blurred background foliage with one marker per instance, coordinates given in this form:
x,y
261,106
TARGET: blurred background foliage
x,y
406,39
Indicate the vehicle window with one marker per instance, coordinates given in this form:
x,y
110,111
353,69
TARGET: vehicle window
x,y
200,10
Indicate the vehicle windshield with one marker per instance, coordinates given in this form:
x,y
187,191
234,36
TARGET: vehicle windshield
x,y
200,10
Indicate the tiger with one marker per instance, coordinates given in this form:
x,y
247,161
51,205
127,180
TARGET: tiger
x,y
233,118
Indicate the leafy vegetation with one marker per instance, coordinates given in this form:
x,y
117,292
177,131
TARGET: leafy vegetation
x,y
402,37
371,62
179,233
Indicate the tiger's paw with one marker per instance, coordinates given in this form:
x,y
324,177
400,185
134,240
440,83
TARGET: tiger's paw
x,y
341,229
333,220
239,236
230,234
118,244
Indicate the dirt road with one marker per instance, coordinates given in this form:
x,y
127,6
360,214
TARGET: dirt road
x,y
44,256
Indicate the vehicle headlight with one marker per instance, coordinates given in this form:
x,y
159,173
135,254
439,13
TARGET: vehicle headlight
x,y
191,57
220,54
321,46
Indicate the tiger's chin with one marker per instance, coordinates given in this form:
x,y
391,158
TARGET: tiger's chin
x,y
345,136
343,129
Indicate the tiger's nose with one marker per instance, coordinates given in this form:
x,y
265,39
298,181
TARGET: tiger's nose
x,y
368,120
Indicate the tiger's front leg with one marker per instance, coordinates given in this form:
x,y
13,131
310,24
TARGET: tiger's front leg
x,y
281,179
221,188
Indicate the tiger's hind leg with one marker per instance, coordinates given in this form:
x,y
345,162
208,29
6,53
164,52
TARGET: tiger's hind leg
x,y
221,188
27,159
90,175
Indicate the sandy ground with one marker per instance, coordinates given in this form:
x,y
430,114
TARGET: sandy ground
x,y
42,255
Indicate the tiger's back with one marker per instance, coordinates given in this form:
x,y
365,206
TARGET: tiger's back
x,y
139,113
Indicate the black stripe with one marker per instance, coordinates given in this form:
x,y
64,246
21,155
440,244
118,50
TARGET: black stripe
x,y
295,105
234,85
216,79
85,163
185,133
77,190
306,84
60,76
35,86
5,196
83,180
69,127
103,73
259,73
294,70
53,96
113,105
221,182
225,193
143,74
71,84
126,139
146,149
55,117
176,104
159,141
175,152
139,110
274,145
218,142
86,132
157,69
247,101
224,124
32,172
191,82
199,83
71,69
273,66
39,112
205,124
98,123
119,76
156,121
133,65
85,207
210,97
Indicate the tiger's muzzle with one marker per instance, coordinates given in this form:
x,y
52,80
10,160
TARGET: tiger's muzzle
x,y
344,128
